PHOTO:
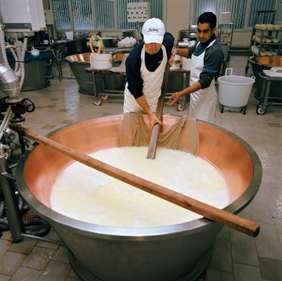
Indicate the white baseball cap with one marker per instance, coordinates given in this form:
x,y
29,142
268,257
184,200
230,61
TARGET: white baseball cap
x,y
153,31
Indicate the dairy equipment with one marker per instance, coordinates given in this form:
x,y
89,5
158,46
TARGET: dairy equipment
x,y
18,19
22,15
169,253
12,109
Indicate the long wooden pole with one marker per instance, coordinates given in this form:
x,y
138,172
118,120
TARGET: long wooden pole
x,y
152,147
244,225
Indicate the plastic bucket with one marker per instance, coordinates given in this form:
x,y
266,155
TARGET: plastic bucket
x,y
234,90
101,61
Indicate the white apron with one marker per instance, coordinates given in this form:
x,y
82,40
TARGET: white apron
x,y
203,102
152,84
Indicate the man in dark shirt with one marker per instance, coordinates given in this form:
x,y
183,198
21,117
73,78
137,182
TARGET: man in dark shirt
x,y
207,57
145,69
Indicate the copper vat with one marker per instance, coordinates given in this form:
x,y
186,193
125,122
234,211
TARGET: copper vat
x,y
113,83
176,252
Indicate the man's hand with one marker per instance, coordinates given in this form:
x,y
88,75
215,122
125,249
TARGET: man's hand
x,y
173,99
153,119
173,53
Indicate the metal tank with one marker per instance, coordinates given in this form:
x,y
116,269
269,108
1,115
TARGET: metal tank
x,y
38,69
179,252
78,64
114,83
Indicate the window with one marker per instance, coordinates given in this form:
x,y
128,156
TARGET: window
x,y
260,5
82,14
62,14
104,14
98,14
239,10
236,7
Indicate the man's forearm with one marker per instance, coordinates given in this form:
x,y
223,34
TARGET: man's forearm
x,y
193,88
144,105
184,52
152,118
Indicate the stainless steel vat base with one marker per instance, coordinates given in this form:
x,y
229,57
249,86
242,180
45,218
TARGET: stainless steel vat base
x,y
199,268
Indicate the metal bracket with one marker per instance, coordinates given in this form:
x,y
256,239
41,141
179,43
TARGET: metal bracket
x,y
8,175
4,151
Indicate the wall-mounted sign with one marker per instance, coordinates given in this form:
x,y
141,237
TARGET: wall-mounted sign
x,y
138,12
225,18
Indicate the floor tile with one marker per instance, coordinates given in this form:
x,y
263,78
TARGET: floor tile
x,y
10,262
73,279
23,247
246,273
48,245
39,258
61,255
4,246
26,274
270,269
267,242
4,277
221,259
55,271
215,275
243,249
6,235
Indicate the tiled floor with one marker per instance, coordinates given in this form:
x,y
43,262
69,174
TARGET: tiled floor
x,y
237,257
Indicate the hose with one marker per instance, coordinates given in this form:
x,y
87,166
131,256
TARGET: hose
x,y
2,46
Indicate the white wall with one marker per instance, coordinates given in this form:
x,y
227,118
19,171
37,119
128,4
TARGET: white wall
x,y
178,15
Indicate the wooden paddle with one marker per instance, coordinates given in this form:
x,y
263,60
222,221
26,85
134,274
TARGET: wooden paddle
x,y
152,147
244,225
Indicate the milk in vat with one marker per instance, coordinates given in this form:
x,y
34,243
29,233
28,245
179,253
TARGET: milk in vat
x,y
89,195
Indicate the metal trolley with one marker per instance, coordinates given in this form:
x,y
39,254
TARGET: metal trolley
x,y
266,98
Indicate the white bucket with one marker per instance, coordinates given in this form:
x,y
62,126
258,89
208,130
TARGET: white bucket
x,y
234,90
69,35
101,61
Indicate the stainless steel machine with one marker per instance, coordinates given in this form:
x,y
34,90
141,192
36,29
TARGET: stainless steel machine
x,y
28,17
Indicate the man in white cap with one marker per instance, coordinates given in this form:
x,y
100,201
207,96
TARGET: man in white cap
x,y
145,67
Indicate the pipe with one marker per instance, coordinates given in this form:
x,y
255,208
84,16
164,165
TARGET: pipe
x,y
22,64
13,214
5,122
17,65
9,83
3,57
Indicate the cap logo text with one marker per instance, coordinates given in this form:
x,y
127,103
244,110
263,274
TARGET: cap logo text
x,y
153,30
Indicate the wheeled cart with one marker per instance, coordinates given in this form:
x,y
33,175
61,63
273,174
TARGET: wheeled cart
x,y
266,96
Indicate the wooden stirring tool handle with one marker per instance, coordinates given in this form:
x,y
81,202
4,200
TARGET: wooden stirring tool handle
x,y
152,148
